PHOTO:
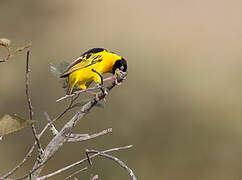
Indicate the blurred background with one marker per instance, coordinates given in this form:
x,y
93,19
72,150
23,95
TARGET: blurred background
x,y
180,106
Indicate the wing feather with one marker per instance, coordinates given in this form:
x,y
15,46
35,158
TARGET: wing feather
x,y
85,60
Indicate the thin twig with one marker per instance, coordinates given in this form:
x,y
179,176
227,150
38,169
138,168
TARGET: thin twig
x,y
78,138
121,163
31,113
81,161
59,116
6,43
76,92
52,127
88,157
30,173
28,155
22,48
73,174
55,144
67,109
29,102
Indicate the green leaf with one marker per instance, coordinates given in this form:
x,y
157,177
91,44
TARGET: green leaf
x,y
12,123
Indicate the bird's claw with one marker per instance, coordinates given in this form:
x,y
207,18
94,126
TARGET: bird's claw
x,y
116,82
96,97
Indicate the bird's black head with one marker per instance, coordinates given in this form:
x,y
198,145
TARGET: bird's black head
x,y
120,64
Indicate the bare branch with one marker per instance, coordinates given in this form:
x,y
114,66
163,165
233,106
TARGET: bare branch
x,y
59,116
22,48
121,163
29,174
88,157
31,113
77,116
76,93
80,137
29,102
58,141
6,43
52,127
67,109
73,174
81,161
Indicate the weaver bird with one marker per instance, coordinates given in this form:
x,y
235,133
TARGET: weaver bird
x,y
90,66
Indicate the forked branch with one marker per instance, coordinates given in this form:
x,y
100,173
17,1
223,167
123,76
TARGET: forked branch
x,y
81,161
58,141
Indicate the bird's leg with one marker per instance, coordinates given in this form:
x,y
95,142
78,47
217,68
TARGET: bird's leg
x,y
100,76
94,94
108,78
113,77
100,85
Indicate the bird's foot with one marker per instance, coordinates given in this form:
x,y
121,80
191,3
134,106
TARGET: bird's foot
x,y
118,73
96,95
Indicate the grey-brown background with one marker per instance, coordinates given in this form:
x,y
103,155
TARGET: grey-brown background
x,y
180,106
